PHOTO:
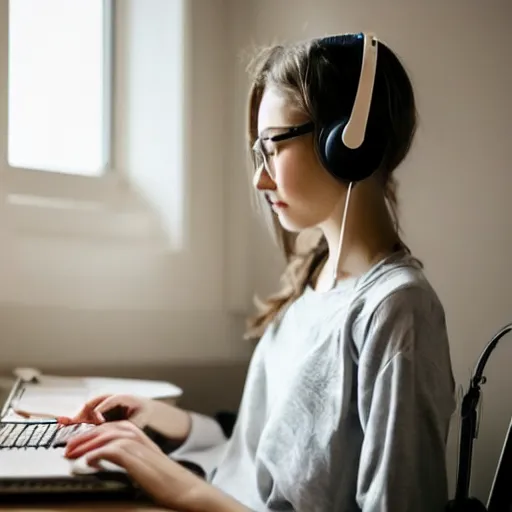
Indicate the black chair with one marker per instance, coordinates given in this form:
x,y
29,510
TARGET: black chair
x,y
500,499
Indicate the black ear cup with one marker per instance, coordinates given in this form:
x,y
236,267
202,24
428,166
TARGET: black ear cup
x,y
349,165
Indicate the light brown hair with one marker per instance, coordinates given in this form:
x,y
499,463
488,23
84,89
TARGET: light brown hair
x,y
322,82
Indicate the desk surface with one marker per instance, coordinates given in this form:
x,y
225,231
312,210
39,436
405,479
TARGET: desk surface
x,y
84,507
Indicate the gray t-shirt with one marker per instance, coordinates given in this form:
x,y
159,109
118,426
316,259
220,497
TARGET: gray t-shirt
x,y
347,402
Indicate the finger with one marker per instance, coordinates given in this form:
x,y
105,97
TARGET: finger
x,y
92,412
82,443
64,420
93,443
78,439
86,414
126,453
130,403
93,402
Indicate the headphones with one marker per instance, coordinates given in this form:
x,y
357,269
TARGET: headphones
x,y
342,146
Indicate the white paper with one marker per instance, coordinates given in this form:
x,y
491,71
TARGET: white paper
x,y
65,396
145,388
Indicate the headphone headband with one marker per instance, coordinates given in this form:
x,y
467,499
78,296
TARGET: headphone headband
x,y
353,134
355,128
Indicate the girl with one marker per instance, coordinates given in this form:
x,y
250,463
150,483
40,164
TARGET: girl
x,y
349,393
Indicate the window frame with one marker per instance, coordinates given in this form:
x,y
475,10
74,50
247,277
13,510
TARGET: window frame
x,y
102,208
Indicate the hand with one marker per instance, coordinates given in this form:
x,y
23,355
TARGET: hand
x,y
170,421
82,444
168,483
124,444
137,409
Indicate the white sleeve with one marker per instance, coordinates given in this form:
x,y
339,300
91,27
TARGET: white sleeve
x,y
204,445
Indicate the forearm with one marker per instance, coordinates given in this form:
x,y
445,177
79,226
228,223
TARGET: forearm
x,y
206,498
183,434
170,421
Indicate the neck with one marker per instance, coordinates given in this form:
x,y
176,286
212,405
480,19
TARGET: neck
x,y
369,232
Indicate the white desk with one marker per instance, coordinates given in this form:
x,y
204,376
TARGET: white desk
x,y
85,507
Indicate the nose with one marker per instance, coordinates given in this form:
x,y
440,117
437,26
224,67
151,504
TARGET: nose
x,y
262,180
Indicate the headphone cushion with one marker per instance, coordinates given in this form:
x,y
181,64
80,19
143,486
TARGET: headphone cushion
x,y
349,165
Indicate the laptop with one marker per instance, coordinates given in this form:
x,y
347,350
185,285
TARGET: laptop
x,y
32,461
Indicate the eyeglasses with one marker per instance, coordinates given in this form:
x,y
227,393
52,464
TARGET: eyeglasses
x,y
261,156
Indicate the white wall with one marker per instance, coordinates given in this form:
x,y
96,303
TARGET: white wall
x,y
151,94
103,302
455,187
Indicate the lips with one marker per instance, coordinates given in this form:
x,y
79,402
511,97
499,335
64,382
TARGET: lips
x,y
276,204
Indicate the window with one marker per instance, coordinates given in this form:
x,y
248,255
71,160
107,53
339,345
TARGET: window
x,y
92,110
59,86
149,232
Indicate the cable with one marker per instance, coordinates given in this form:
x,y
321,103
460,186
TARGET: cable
x,y
342,235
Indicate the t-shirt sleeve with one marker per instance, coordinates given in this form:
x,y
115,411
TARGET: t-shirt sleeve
x,y
204,445
405,401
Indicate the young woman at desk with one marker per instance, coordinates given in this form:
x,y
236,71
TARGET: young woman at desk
x,y
350,391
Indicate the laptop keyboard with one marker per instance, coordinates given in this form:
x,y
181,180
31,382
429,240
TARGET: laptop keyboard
x,y
38,435
28,442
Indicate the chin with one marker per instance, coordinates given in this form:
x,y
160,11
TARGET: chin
x,y
295,225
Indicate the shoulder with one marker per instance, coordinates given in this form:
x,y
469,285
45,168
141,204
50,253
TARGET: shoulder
x,y
396,285
401,284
